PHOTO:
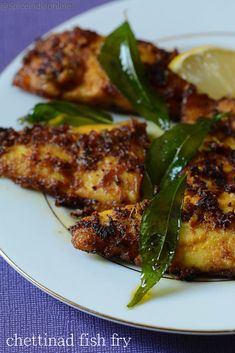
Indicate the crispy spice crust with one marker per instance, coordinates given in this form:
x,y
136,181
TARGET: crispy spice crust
x,y
195,105
89,148
206,241
74,157
115,236
65,65
211,179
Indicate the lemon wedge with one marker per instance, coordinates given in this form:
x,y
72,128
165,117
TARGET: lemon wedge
x,y
210,69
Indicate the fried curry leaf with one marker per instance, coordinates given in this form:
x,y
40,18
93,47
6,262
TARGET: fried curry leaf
x,y
159,233
161,221
171,152
56,113
120,59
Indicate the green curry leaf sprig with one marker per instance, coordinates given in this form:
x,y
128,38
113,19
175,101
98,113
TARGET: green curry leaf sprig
x,y
161,221
120,59
159,234
57,113
170,153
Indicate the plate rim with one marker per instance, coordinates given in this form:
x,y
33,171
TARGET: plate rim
x,y
108,317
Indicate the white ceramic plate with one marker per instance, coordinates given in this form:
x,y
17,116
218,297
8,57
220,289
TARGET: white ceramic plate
x,y
34,241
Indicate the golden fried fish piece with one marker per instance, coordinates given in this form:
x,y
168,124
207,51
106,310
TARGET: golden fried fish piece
x,y
88,167
207,238
195,105
65,66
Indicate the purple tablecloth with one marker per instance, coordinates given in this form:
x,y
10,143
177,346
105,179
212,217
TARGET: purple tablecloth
x,y
24,309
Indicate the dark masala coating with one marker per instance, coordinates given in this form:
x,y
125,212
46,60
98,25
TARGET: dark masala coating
x,y
89,167
207,239
195,105
65,66
112,233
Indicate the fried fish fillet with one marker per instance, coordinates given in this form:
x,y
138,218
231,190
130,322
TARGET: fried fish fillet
x,y
65,66
207,238
89,167
195,105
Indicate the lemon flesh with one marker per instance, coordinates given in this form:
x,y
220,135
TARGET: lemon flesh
x,y
210,69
